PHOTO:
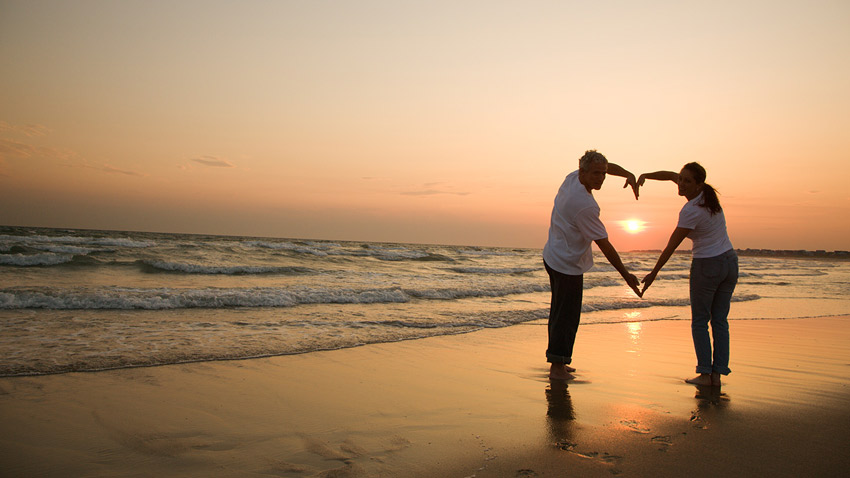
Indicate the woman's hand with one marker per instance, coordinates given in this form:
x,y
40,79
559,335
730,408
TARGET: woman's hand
x,y
647,281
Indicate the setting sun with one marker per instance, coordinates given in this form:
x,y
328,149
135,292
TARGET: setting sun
x,y
633,226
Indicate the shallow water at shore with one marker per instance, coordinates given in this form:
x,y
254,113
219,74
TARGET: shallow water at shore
x,y
76,300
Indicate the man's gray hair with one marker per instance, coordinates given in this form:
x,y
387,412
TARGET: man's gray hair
x,y
591,157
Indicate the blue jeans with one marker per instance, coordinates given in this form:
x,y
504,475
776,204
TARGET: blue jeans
x,y
712,282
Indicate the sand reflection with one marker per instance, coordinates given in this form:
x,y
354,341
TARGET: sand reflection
x,y
560,415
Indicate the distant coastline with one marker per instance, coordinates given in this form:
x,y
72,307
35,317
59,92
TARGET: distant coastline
x,y
801,253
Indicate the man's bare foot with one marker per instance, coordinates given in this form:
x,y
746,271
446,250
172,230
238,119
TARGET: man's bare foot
x,y
559,371
715,379
569,369
702,379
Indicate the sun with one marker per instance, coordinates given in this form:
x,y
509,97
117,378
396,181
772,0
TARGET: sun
x,y
633,226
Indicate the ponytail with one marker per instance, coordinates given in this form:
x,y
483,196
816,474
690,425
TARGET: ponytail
x,y
709,199
709,194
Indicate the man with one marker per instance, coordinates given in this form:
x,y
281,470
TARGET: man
x,y
567,255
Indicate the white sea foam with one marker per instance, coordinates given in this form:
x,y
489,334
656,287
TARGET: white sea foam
x,y
618,304
85,240
481,252
321,249
285,246
63,249
173,298
226,270
494,270
29,260
121,242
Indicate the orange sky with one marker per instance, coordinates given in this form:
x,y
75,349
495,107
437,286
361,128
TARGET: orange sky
x,y
429,122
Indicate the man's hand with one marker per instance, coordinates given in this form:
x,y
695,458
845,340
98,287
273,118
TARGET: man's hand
x,y
617,170
630,181
632,281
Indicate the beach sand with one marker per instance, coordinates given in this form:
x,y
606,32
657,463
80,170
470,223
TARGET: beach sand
x,y
477,404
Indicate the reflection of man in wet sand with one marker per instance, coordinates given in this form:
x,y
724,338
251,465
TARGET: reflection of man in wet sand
x,y
560,415
567,255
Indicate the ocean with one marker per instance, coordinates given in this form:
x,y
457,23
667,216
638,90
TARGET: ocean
x,y
85,300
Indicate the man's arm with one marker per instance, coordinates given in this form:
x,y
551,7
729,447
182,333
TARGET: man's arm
x,y
616,170
614,258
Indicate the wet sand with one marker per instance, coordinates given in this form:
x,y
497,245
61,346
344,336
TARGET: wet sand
x,y
478,404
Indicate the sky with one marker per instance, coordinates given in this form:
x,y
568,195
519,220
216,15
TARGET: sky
x,y
422,121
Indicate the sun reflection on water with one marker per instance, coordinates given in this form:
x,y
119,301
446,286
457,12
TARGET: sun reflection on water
x,y
634,329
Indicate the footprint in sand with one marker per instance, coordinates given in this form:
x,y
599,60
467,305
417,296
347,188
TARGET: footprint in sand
x,y
665,441
697,421
634,426
606,458
318,447
354,449
349,450
565,445
162,444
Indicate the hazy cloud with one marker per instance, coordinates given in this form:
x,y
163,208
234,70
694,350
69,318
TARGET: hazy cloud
x,y
106,168
432,192
213,161
433,189
110,169
10,148
29,130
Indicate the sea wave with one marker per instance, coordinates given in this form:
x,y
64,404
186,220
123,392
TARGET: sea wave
x,y
814,273
65,249
491,270
617,304
85,240
285,246
32,260
172,298
384,253
481,252
187,268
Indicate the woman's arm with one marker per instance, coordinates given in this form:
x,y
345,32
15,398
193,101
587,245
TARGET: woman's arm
x,y
679,235
658,176
611,254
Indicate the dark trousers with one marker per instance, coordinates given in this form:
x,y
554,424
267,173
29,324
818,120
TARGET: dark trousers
x,y
564,314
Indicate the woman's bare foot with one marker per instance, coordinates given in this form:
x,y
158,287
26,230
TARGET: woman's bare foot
x,y
560,371
702,379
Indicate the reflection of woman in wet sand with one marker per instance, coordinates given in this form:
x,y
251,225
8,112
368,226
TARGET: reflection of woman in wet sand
x,y
714,269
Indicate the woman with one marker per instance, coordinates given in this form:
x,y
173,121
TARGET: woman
x,y
714,269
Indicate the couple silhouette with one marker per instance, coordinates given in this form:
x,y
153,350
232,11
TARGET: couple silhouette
x,y
567,255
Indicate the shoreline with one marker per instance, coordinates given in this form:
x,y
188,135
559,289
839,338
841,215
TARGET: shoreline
x,y
473,404
674,318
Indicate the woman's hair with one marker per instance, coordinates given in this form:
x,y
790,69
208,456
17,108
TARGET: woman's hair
x,y
709,194
591,157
